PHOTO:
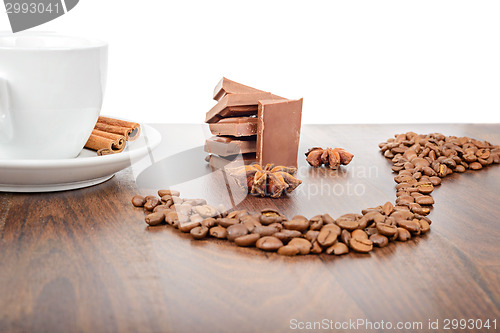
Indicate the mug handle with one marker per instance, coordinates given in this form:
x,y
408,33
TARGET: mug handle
x,y
5,127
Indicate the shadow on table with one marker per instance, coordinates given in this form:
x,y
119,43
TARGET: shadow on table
x,y
176,169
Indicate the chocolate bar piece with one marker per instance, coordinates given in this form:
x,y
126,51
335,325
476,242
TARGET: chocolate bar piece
x,y
225,146
278,132
219,162
226,86
236,126
238,105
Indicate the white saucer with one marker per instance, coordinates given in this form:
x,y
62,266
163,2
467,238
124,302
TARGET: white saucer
x,y
67,174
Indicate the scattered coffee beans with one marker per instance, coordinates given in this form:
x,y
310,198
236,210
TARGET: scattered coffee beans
x,y
420,161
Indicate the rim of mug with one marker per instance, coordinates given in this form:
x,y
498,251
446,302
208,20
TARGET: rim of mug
x,y
93,42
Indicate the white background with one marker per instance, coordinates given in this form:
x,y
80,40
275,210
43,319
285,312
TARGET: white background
x,y
352,61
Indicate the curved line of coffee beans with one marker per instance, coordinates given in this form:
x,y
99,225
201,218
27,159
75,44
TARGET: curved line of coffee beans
x,y
421,161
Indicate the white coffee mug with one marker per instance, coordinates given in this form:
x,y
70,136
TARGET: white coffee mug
x,y
51,93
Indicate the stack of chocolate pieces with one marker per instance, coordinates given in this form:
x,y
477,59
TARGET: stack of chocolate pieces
x,y
252,125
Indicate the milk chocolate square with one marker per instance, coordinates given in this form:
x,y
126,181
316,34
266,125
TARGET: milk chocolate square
x,y
226,87
278,132
226,146
234,161
235,126
238,105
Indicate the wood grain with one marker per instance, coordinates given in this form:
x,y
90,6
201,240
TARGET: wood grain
x,y
84,260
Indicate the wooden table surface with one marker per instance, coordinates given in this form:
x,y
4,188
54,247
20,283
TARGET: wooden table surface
x,y
84,260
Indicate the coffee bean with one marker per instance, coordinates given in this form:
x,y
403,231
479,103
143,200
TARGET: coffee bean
x,y
268,219
174,219
237,214
420,210
155,218
421,217
361,245
177,200
206,211
138,200
337,249
358,233
483,153
166,198
404,179
403,235
188,226
218,232
151,203
199,232
199,202
168,203
496,158
183,208
398,208
369,218
348,222
288,250
424,226
286,235
420,162
403,186
236,230
428,171
247,240
227,221
405,200
387,229
442,170
388,208
475,166
345,236
269,243
379,240
425,200
161,208
196,218
251,223
173,193
368,210
209,222
425,188
450,163
402,193
270,215
402,214
277,226
327,219
388,154
411,226
311,235
250,218
265,230
316,248
189,202
302,244
328,235
316,222
298,222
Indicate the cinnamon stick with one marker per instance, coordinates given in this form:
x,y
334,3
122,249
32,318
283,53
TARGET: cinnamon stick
x,y
105,143
128,129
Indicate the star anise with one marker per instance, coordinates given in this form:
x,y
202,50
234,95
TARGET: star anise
x,y
332,158
271,180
